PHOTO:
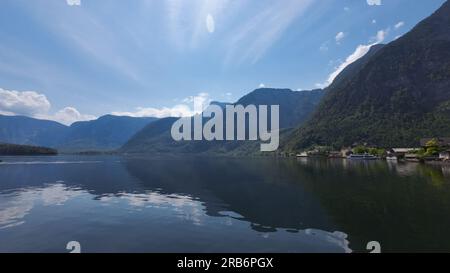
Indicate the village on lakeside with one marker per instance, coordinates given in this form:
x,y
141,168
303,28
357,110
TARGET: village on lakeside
x,y
430,150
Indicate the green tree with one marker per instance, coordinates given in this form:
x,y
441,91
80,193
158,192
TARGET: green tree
x,y
360,149
432,147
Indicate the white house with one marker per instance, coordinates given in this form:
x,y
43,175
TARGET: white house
x,y
444,155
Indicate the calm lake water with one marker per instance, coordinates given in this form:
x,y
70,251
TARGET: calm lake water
x,y
140,204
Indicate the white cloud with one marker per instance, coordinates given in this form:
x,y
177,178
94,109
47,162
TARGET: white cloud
x,y
33,104
346,9
374,2
200,102
73,2
210,24
380,37
321,85
179,110
339,37
399,24
359,52
69,115
374,21
27,103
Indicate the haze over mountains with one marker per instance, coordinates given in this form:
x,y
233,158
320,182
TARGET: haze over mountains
x,y
393,96
150,135
30,131
105,133
295,108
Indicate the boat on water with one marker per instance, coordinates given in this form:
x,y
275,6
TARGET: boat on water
x,y
304,154
391,158
362,157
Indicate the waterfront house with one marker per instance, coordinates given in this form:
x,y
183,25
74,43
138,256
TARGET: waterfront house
x,y
335,154
445,155
402,152
346,152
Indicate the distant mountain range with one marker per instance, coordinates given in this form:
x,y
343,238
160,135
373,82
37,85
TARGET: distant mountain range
x,y
105,133
151,135
30,131
394,96
295,108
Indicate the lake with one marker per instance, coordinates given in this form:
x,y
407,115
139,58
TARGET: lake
x,y
195,204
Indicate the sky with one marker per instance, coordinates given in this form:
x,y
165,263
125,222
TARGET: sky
x,y
72,60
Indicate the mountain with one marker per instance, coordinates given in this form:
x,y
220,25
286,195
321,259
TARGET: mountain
x,y
353,68
295,107
220,104
30,131
105,133
401,93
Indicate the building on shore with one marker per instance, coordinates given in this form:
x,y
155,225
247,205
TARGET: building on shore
x,y
346,151
335,154
406,153
444,155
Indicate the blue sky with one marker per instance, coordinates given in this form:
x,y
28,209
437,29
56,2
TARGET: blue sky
x,y
71,60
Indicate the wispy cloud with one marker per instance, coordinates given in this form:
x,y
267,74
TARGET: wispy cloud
x,y
341,35
251,40
359,52
73,2
210,25
324,46
98,42
245,37
399,25
84,33
374,2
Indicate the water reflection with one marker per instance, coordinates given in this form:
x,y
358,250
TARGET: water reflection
x,y
15,205
220,204
403,206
